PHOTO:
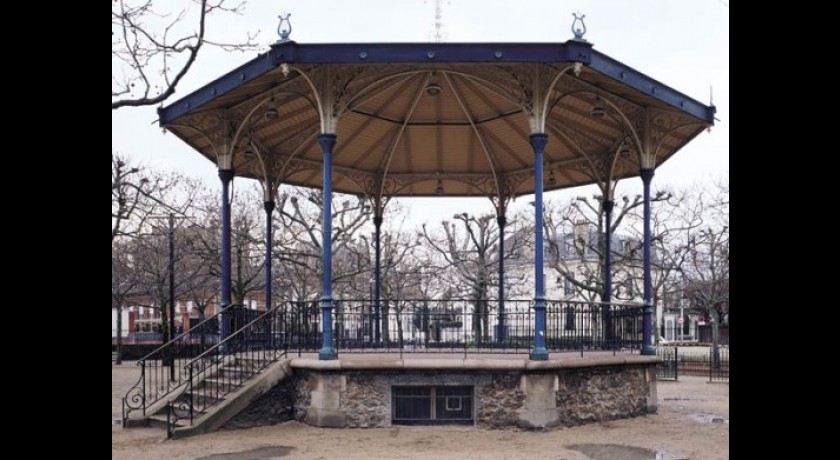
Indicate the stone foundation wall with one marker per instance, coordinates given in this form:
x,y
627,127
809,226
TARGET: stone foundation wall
x,y
547,396
276,405
600,394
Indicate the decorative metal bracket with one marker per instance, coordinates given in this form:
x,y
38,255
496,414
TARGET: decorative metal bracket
x,y
578,32
284,33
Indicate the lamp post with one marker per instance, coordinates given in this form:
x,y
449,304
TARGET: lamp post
x,y
370,318
169,330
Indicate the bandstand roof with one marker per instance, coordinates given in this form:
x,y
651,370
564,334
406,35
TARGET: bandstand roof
x,y
412,118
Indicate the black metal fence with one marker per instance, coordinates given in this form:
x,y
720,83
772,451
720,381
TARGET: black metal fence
x,y
697,361
468,326
719,365
668,368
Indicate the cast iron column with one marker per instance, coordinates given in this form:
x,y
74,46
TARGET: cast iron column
x,y
647,322
327,142
500,334
606,308
269,208
226,175
539,352
377,275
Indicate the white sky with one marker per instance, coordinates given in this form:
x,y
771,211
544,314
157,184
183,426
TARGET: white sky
x,y
684,44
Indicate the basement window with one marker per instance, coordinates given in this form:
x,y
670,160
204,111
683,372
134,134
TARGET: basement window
x,y
416,405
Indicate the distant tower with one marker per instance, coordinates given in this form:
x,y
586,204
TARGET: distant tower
x,y
439,34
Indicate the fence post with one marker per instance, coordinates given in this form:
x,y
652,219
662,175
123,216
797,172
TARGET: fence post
x,y
676,363
711,357
169,420
143,385
192,395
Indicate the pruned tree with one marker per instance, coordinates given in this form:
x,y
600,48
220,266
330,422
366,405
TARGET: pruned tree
x,y
471,249
299,252
576,241
153,47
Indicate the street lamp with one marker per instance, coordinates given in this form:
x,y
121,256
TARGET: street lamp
x,y
370,319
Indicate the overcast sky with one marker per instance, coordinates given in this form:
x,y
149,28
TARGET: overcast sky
x,y
684,44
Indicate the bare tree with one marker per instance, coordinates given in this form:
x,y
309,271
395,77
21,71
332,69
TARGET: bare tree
x,y
154,261
472,252
153,47
300,213
706,271
138,192
247,241
124,282
576,240
671,231
298,251
202,287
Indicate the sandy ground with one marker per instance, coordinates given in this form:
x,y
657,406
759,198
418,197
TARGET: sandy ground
x,y
683,428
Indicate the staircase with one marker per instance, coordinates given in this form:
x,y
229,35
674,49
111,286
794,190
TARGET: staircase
x,y
212,386
222,394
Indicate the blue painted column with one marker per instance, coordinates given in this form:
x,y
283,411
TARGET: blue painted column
x,y
500,334
269,209
539,353
607,295
647,322
377,275
327,142
226,175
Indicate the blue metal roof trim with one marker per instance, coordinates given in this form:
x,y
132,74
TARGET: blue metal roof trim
x,y
639,81
416,53
345,53
231,80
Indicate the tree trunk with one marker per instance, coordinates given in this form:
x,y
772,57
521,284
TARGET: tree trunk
x,y
119,334
715,338
386,334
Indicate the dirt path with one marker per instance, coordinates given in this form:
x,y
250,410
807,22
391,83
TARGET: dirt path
x,y
692,422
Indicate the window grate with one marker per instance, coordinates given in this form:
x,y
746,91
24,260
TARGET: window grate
x,y
432,405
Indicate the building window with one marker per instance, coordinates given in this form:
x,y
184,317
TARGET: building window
x,y
568,285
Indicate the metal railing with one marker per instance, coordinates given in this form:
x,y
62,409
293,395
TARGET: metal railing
x,y
226,366
460,326
694,361
668,368
162,370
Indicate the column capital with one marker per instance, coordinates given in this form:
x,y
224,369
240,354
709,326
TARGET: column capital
x,y
269,205
327,141
226,175
646,173
608,205
377,221
501,220
538,141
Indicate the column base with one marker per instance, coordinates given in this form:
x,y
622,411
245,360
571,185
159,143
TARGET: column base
x,y
327,353
649,350
538,354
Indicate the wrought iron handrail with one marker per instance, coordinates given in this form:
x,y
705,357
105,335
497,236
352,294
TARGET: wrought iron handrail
x,y
162,372
226,366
